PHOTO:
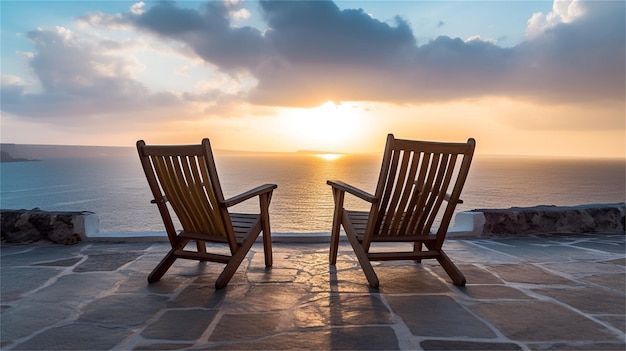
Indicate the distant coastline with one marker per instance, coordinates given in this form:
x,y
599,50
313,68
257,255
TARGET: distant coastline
x,y
6,157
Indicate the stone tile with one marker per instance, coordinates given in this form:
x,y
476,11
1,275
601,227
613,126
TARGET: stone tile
x,y
437,316
411,278
585,268
346,280
304,303
437,345
604,245
61,263
596,346
616,282
17,281
616,321
76,288
105,262
472,251
619,261
117,247
76,336
138,283
341,309
233,327
534,250
540,321
29,318
162,346
472,273
122,309
493,292
196,295
526,273
268,297
348,338
180,325
589,300
271,275
26,255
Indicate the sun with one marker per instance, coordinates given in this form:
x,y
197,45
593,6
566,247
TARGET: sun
x,y
329,156
329,127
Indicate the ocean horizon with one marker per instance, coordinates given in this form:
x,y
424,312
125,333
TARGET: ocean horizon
x,y
109,181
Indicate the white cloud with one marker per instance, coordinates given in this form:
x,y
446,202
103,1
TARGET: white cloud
x,y
182,71
479,38
138,8
567,10
240,14
563,11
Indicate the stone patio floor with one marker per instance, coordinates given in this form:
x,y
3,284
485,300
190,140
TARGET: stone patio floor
x,y
548,292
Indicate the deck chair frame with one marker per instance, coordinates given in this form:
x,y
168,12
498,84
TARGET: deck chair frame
x,y
416,178
184,183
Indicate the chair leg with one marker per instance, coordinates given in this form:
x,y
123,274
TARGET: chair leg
x,y
417,247
334,233
267,248
234,262
201,246
453,272
162,267
364,261
267,235
334,243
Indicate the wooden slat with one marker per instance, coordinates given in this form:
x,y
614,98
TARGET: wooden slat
x,y
206,256
397,187
393,256
421,196
214,196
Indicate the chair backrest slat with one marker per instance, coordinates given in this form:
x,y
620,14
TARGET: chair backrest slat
x,y
416,177
183,175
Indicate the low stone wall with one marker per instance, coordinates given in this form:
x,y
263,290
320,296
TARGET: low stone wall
x,y
594,218
24,226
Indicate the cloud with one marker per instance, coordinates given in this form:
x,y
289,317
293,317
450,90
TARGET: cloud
x,y
78,78
312,52
207,31
579,59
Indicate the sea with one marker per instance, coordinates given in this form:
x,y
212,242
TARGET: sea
x,y
113,186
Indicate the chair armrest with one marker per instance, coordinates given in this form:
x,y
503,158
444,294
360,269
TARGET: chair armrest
x,y
259,190
352,190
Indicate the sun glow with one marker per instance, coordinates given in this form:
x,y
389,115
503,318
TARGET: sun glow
x,y
329,157
329,127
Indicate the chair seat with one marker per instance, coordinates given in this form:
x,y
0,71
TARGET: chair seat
x,y
243,223
358,219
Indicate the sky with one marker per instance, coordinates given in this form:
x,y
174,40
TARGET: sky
x,y
537,78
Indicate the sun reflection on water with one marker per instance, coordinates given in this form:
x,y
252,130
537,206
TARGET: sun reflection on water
x,y
329,157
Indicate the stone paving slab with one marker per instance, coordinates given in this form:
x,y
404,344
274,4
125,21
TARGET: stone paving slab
x,y
564,292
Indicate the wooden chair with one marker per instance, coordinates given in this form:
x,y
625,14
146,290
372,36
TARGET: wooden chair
x,y
185,177
415,178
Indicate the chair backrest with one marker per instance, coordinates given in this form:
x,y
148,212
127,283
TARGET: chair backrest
x,y
185,177
415,179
